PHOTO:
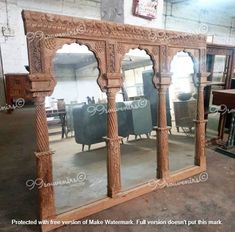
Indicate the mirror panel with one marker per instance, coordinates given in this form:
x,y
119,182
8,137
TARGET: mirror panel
x,y
77,124
138,97
219,70
217,64
183,106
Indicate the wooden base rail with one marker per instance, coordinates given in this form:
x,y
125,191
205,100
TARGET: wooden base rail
x,y
121,197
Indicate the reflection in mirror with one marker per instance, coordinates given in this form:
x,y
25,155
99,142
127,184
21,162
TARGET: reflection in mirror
x,y
217,65
183,105
219,69
138,97
76,129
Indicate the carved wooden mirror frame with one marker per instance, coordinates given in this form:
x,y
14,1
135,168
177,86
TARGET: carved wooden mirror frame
x,y
109,41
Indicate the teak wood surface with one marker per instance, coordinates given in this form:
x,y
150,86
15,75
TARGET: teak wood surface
x,y
109,42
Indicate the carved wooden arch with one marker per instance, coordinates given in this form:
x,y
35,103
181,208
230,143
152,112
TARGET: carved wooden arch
x,y
45,32
194,58
151,51
97,49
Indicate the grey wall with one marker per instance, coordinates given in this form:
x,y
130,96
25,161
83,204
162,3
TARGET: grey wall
x,y
211,19
112,10
14,49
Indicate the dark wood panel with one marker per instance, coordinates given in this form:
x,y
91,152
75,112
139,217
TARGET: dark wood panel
x,y
17,86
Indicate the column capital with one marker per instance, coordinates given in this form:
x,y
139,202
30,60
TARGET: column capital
x,y
202,78
113,80
164,75
162,79
41,84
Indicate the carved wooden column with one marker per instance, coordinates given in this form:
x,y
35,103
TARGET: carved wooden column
x,y
113,145
113,83
44,160
200,159
162,129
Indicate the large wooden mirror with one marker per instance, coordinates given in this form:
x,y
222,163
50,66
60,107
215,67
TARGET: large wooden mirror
x,y
96,82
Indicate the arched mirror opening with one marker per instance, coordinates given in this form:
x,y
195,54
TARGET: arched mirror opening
x,y
138,98
76,128
217,65
182,103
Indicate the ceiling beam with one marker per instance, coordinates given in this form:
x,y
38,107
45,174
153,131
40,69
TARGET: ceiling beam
x,y
176,1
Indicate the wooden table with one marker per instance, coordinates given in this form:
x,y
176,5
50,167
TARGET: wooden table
x,y
62,115
226,98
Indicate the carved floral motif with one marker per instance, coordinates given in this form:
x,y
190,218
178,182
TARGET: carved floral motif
x,y
111,55
62,25
35,55
50,43
100,47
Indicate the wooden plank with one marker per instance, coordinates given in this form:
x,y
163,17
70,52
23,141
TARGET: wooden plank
x,y
122,197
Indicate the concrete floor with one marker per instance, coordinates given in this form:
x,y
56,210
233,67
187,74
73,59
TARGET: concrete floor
x,y
210,200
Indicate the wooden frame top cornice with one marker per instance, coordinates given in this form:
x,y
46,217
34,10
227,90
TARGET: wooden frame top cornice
x,y
57,26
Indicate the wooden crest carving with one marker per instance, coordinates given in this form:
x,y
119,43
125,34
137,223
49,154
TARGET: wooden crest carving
x,y
35,43
65,26
44,30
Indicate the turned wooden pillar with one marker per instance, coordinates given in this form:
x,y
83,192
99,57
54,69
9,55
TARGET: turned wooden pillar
x,y
162,129
44,161
200,159
113,145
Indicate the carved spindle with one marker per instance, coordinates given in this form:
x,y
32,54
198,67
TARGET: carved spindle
x,y
41,125
113,145
200,159
44,161
162,131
